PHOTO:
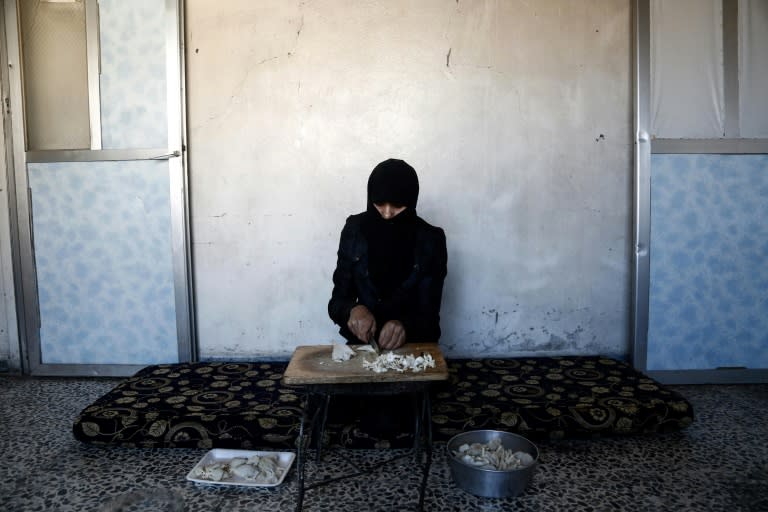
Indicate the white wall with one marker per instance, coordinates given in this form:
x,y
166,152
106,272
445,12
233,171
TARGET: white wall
x,y
9,337
4,272
516,115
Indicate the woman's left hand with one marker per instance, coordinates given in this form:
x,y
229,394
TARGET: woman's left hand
x,y
392,335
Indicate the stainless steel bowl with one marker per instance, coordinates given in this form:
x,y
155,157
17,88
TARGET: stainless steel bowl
x,y
487,482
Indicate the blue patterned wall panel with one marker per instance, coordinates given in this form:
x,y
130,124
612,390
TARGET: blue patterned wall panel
x,y
133,75
709,262
103,254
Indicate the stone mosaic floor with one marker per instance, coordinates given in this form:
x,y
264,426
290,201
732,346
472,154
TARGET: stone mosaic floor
x,y
719,463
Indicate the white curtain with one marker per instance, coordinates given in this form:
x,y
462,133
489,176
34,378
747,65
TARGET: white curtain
x,y
687,69
753,68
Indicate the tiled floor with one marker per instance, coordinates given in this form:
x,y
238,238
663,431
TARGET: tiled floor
x,y
719,463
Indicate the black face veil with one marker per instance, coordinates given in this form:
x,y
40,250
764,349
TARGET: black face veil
x,y
393,181
391,241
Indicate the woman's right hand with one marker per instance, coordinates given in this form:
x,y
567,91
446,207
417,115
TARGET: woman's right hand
x,y
362,323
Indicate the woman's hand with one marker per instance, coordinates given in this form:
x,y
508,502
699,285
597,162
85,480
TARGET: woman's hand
x,y
392,335
362,323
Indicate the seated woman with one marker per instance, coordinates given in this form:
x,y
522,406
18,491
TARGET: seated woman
x,y
391,265
387,286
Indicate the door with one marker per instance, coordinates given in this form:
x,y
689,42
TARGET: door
x,y
99,184
701,283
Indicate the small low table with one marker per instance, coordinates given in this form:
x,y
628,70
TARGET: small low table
x,y
312,368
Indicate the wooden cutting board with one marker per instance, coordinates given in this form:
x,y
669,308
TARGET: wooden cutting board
x,y
312,364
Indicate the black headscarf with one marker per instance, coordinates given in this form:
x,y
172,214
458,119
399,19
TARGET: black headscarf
x,y
391,242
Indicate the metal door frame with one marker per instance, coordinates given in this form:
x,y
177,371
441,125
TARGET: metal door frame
x,y
645,145
27,300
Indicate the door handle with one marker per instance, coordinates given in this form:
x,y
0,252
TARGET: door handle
x,y
167,156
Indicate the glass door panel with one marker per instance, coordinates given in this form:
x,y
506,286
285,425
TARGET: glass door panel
x,y
133,78
103,255
53,42
708,278
102,230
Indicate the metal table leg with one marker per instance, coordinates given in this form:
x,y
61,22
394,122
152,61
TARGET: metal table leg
x,y
301,453
317,401
321,430
307,425
418,414
426,415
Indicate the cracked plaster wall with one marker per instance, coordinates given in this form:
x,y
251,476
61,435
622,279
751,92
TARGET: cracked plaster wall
x,y
9,341
516,115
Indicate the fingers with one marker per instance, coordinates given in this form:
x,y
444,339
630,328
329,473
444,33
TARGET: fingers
x,y
362,323
392,335
370,333
363,330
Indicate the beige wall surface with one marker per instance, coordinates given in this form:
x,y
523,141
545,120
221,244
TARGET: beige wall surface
x,y
6,287
516,115
9,336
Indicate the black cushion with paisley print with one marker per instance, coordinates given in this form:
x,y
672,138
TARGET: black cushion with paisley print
x,y
196,405
245,405
555,397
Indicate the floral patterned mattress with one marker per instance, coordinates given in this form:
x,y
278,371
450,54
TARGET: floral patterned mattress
x,y
245,405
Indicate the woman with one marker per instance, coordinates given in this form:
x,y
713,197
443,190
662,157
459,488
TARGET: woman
x,y
388,281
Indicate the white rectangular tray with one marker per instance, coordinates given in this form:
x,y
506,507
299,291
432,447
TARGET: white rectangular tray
x,y
222,455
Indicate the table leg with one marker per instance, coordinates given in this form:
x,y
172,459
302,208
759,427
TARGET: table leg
x,y
426,414
317,401
427,405
418,414
301,453
308,424
323,419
